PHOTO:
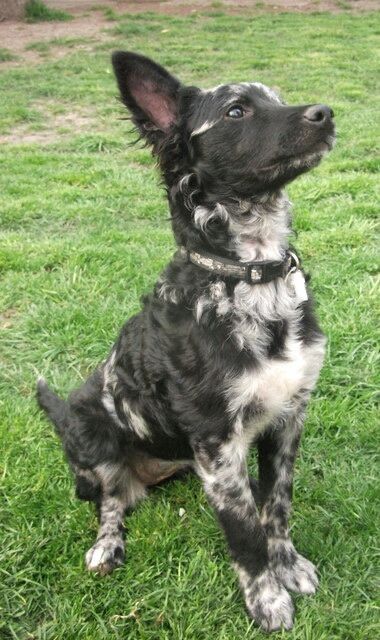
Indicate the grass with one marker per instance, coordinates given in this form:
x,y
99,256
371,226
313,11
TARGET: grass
x,y
43,47
38,11
6,55
84,233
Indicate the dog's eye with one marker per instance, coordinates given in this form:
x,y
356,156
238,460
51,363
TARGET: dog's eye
x,y
236,111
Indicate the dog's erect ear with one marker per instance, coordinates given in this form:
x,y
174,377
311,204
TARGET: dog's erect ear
x,y
148,90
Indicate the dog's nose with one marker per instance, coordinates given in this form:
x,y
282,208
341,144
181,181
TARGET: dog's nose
x,y
318,113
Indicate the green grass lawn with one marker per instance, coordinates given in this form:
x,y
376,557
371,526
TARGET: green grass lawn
x,y
84,233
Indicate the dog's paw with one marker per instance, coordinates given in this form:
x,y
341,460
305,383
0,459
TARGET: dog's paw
x,y
294,571
300,577
269,603
105,556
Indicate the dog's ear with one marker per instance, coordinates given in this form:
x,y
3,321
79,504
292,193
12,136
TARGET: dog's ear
x,y
148,90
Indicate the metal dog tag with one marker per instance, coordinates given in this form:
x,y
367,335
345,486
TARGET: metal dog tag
x,y
297,281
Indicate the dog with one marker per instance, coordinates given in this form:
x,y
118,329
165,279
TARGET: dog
x,y
226,349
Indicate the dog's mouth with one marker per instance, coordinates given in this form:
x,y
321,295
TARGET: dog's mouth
x,y
327,144
307,159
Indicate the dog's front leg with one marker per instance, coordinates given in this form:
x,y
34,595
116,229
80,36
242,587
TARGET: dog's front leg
x,y
223,471
277,452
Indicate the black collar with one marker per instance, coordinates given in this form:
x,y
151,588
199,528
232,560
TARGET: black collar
x,y
258,272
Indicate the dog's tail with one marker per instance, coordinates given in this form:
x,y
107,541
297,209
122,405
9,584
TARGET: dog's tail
x,y
55,407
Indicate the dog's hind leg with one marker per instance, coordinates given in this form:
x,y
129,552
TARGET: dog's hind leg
x,y
277,452
120,490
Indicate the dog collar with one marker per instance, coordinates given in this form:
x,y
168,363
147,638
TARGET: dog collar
x,y
258,272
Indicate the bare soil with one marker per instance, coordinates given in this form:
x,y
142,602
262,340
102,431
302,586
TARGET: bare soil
x,y
16,36
7,318
187,6
56,125
12,9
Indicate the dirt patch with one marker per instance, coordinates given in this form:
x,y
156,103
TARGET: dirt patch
x,y
17,36
7,318
234,6
55,125
12,9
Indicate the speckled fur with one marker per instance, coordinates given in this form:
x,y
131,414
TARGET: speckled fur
x,y
210,365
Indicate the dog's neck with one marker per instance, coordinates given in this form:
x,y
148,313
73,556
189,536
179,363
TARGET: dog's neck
x,y
245,230
261,232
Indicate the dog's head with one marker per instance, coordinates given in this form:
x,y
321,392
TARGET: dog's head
x,y
239,140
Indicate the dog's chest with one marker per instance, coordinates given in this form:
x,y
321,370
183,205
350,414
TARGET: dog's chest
x,y
275,383
270,382
278,379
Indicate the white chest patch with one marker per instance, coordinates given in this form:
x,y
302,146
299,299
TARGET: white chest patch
x,y
276,381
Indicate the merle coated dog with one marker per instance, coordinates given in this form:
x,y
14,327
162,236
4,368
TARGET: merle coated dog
x,y
226,349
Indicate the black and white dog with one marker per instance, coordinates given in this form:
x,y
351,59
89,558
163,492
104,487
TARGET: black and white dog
x,y
226,350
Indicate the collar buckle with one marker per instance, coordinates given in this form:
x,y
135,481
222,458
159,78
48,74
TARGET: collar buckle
x,y
254,273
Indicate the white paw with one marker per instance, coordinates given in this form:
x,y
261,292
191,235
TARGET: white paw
x,y
269,603
105,556
300,576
